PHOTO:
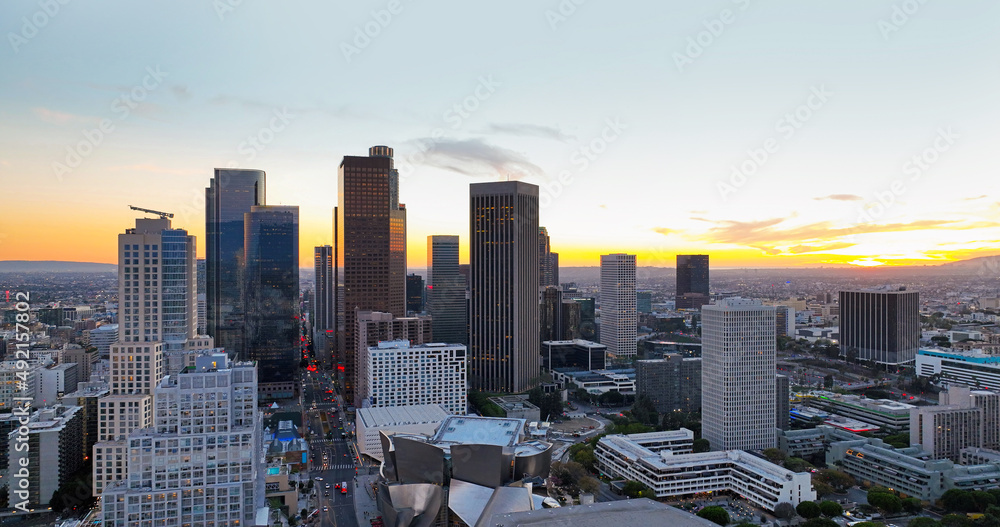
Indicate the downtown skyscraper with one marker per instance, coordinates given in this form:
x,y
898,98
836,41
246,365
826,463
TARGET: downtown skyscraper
x,y
692,281
324,307
548,260
271,297
446,291
230,195
619,320
737,377
504,346
370,239
880,325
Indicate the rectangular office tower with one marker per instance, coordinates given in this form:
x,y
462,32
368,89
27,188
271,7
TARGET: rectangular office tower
x,y
371,244
619,320
272,297
446,291
692,281
880,325
503,255
324,308
737,376
230,195
200,463
414,294
548,260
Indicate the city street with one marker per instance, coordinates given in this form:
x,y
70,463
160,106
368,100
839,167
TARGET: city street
x,y
332,456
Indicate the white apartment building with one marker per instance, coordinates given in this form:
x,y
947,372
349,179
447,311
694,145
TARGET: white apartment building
x,y
737,378
54,382
415,419
16,382
619,320
103,337
964,419
660,461
398,374
200,463
53,454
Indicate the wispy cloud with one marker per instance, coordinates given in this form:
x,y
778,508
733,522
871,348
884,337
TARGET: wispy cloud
x,y
665,231
771,237
841,197
343,111
975,198
475,157
56,117
529,130
181,92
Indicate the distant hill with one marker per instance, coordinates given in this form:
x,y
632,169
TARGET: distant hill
x,y
982,265
52,266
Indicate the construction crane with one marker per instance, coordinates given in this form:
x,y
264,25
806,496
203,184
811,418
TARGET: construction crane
x,y
162,214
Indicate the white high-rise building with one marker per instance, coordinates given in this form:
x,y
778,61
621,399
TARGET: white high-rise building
x,y
157,319
397,374
737,376
103,337
200,463
619,321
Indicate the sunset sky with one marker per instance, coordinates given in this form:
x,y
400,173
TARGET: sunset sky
x,y
763,133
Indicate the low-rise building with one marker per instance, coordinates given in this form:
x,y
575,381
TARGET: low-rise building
x,y
891,416
670,472
597,381
517,407
576,354
413,419
972,368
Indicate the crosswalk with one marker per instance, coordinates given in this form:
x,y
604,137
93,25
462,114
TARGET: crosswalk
x,y
342,466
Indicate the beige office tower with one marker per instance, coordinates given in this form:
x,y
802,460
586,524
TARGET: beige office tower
x,y
157,312
619,321
737,374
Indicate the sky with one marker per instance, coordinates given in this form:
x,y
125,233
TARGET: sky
x,y
765,133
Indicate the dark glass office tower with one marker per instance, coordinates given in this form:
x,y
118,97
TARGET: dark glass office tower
x,y
692,281
504,341
324,306
231,194
414,293
446,291
272,296
880,325
371,245
547,260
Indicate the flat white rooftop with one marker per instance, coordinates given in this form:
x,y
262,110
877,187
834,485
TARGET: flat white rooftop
x,y
401,415
480,430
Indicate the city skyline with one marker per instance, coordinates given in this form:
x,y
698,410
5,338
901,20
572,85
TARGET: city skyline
x,y
840,100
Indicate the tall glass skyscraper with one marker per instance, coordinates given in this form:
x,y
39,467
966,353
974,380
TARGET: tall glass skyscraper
x,y
692,281
504,346
446,291
231,194
324,307
272,296
370,244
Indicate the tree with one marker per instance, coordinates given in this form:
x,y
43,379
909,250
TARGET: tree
x,y
884,501
56,502
982,499
869,524
840,481
589,485
822,489
958,500
774,455
830,509
912,505
785,510
701,445
611,398
955,520
644,411
808,509
820,522
583,454
924,521
715,514
797,464
898,440
637,489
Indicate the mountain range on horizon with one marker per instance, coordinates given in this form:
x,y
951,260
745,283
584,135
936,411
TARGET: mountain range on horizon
x,y
989,265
